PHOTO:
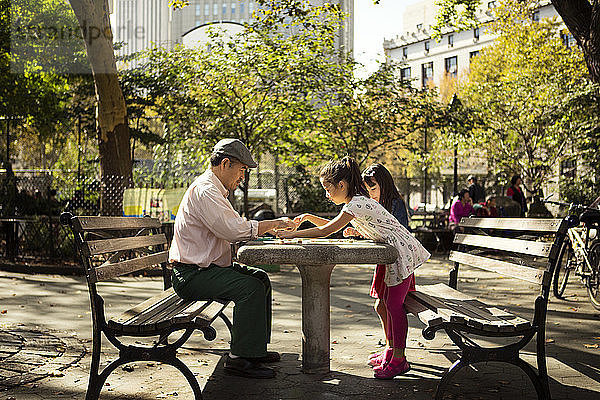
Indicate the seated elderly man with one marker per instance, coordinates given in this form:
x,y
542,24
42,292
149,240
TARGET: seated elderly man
x,y
205,226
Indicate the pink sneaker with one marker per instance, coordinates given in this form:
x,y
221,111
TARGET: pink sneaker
x,y
382,359
397,366
376,359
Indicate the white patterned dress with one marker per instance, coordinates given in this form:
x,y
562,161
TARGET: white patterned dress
x,y
374,222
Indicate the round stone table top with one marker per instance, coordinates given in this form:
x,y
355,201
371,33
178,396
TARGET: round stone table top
x,y
315,252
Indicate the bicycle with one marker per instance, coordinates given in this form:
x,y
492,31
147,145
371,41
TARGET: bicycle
x,y
580,253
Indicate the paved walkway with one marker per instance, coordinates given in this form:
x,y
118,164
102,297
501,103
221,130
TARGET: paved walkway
x,y
53,313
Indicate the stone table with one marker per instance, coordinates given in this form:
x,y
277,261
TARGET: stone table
x,y
315,259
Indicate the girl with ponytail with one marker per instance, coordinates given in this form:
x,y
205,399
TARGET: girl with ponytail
x,y
344,184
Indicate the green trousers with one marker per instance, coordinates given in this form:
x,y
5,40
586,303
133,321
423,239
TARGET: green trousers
x,y
249,289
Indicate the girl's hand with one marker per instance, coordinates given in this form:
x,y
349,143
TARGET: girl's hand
x,y
285,234
301,218
351,232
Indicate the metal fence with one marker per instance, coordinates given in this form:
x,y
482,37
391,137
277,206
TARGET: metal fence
x,y
32,200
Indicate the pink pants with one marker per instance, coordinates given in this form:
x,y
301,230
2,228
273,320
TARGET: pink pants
x,y
397,322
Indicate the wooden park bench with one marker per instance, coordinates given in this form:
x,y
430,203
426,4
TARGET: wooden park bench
x,y
525,249
110,247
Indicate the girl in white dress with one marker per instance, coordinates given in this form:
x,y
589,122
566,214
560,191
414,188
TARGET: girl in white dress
x,y
343,184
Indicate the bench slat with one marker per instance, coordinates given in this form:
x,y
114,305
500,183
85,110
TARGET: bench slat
x,y
111,270
541,249
492,318
81,224
95,247
522,272
519,224
426,315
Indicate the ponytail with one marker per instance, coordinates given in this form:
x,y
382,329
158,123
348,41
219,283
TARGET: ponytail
x,y
347,170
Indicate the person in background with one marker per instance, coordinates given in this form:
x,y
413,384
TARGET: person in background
x,y
381,188
343,184
462,207
516,193
476,191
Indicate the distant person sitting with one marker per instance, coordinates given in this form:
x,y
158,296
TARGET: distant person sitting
x,y
516,193
476,191
488,209
462,207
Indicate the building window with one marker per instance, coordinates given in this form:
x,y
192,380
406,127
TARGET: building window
x,y
451,64
198,9
207,9
426,46
473,54
426,73
568,168
476,33
568,39
224,9
198,22
419,27
405,74
241,9
491,4
251,7
232,9
215,9
405,52
536,16
450,40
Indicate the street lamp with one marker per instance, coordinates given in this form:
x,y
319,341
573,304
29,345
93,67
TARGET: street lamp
x,y
455,104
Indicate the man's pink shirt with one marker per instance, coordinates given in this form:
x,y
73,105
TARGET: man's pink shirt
x,y
206,224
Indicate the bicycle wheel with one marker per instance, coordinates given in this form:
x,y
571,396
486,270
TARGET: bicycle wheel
x,y
563,268
593,281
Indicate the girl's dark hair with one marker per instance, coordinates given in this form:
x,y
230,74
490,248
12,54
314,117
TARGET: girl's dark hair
x,y
462,193
347,170
514,179
378,174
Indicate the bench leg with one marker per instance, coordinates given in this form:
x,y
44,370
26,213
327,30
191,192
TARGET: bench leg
x,y
457,366
227,322
539,382
177,363
93,390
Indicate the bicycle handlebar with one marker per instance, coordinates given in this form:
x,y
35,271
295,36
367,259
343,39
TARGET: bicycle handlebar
x,y
572,206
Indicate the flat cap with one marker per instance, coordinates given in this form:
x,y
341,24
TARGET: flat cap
x,y
237,149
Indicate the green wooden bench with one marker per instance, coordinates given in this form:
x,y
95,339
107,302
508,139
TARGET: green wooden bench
x,y
525,249
110,247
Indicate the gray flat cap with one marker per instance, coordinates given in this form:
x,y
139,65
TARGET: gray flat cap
x,y
237,149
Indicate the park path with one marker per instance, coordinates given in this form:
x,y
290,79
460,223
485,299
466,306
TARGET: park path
x,y
46,318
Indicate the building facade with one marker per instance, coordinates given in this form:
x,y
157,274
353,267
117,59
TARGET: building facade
x,y
430,61
142,24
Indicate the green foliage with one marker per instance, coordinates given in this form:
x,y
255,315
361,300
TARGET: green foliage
x,y
309,193
455,14
518,86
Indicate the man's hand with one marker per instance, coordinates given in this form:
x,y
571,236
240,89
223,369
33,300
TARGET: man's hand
x,y
285,224
285,234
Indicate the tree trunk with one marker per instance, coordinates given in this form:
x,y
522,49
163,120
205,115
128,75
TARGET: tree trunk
x,y
583,20
111,112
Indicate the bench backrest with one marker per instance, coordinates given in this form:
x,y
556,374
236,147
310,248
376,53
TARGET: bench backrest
x,y
521,248
113,246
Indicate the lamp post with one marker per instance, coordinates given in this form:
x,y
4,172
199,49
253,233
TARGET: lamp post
x,y
455,104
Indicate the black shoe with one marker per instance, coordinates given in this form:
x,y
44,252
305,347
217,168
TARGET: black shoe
x,y
271,357
247,368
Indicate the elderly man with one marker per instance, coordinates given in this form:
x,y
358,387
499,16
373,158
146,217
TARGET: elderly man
x,y
205,226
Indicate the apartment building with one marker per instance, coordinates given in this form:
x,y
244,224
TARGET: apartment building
x,y
429,61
